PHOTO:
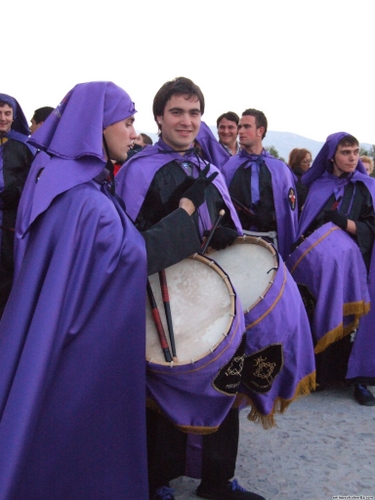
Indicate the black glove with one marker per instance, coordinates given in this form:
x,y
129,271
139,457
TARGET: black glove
x,y
222,237
197,191
337,218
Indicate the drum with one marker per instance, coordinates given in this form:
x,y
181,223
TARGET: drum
x,y
197,390
252,263
279,357
329,268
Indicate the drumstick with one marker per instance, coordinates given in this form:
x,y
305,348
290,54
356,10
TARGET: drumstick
x,y
208,239
158,324
336,203
167,309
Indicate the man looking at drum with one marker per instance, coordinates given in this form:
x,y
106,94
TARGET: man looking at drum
x,y
340,191
261,186
150,183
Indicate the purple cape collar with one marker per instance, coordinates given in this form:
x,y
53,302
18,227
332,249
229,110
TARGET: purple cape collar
x,y
135,176
283,187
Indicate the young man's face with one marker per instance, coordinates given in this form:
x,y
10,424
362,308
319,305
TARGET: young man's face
x,y
119,138
249,135
6,118
227,131
180,121
345,159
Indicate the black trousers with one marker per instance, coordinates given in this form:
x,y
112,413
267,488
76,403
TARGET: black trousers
x,y
167,451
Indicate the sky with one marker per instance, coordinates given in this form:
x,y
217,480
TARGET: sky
x,y
308,65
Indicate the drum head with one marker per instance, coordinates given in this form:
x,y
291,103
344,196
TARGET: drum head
x,y
202,302
251,263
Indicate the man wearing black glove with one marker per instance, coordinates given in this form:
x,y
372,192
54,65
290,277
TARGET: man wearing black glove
x,y
337,218
151,184
340,191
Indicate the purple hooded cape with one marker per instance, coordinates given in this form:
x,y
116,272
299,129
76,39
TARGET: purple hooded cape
x,y
72,338
283,186
212,150
135,176
20,129
322,185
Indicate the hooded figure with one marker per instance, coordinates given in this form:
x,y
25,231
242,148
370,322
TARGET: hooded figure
x,y
15,160
335,260
72,338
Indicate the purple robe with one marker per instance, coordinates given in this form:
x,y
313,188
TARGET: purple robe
x,y
322,186
283,188
212,150
72,338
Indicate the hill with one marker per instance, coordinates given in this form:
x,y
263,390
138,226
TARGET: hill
x,y
283,142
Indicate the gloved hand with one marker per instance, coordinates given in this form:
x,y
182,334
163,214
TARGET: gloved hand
x,y
337,218
222,237
196,192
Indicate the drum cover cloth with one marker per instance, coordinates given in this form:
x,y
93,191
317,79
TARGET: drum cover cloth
x,y
190,394
330,261
279,358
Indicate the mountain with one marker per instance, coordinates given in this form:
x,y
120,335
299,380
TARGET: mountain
x,y
283,142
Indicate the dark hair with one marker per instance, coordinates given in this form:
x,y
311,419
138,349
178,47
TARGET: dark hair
x,y
3,103
146,139
229,115
178,86
260,118
41,114
348,140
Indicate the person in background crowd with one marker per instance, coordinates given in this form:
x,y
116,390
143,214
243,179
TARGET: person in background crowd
x,y
300,161
227,129
15,160
368,163
39,117
262,187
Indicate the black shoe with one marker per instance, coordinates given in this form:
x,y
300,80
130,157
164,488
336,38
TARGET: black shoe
x,y
164,493
233,491
363,395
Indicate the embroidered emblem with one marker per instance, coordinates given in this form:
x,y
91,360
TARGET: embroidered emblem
x,y
262,367
292,198
229,376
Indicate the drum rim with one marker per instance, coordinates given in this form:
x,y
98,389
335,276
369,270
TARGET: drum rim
x,y
260,241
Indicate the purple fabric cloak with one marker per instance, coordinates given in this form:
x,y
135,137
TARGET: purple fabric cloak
x,y
135,176
322,185
212,150
283,187
72,338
